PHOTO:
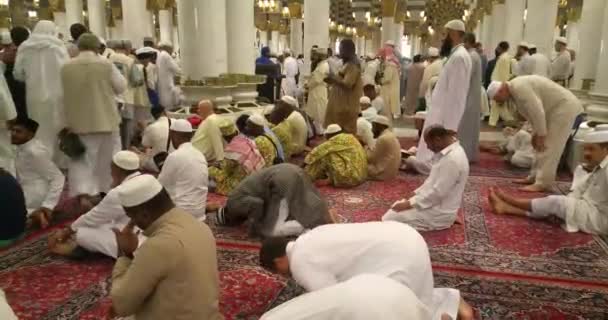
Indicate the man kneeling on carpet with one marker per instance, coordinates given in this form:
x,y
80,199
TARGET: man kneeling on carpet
x,y
335,253
435,204
584,209
173,275
92,232
276,201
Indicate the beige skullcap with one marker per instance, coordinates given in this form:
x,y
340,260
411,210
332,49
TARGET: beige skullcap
x,y
382,120
181,125
127,160
596,137
257,120
456,25
365,100
493,89
562,40
333,128
289,100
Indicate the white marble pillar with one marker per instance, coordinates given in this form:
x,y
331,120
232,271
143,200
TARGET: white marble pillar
x,y
499,28
478,31
397,35
601,79
136,21
274,42
486,39
283,42
175,36
241,36
316,27
97,17
116,32
165,22
263,38
60,22
188,39
540,24
212,37
360,45
590,42
73,12
369,45
572,34
388,29
295,41
514,22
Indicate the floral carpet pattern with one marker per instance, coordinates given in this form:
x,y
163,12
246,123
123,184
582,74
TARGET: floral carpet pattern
x,y
506,267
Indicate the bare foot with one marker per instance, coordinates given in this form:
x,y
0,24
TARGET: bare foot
x,y
533,188
498,205
491,197
523,181
333,216
500,194
465,311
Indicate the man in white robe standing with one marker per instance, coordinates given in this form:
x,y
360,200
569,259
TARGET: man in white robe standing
x,y
525,63
7,113
329,254
560,66
468,131
450,93
167,70
125,65
38,64
541,65
290,70
317,90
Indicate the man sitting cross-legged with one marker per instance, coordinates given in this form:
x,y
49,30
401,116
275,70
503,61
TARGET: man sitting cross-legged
x,y
334,253
276,201
435,204
584,209
93,230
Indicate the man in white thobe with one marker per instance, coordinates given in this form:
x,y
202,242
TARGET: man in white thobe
x,y
518,147
363,297
290,70
560,66
185,173
551,110
125,65
525,62
90,83
364,123
584,209
432,70
155,138
38,64
541,64
435,204
7,113
371,69
42,182
92,231
329,254
450,93
168,93
316,105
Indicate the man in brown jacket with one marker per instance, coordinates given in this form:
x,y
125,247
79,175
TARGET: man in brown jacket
x,y
384,159
90,84
173,274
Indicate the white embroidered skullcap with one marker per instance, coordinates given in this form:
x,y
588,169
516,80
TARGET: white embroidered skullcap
x,y
456,25
257,120
165,43
333,128
138,190
382,120
493,89
145,50
531,46
390,43
181,125
524,44
127,160
433,52
268,109
562,40
290,100
287,51
365,100
596,137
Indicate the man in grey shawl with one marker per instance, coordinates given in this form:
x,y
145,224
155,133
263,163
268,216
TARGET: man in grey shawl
x,y
468,131
276,201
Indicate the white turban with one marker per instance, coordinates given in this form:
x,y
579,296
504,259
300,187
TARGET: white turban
x,y
433,52
382,120
596,137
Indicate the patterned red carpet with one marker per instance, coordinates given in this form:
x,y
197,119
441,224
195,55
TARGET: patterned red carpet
x,y
507,268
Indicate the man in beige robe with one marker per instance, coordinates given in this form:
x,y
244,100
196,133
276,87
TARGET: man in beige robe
x,y
435,64
502,72
316,105
415,74
384,159
560,66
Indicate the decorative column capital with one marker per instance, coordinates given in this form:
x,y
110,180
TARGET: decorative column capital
x,y
388,8
154,5
57,5
295,10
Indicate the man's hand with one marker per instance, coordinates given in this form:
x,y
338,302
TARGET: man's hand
x,y
43,216
401,205
126,239
538,142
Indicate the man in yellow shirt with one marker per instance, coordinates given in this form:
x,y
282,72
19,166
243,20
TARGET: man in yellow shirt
x,y
208,137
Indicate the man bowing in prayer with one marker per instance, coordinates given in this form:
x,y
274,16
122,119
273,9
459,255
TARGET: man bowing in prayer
x,y
334,253
551,110
276,201
450,94
174,273
435,204
468,131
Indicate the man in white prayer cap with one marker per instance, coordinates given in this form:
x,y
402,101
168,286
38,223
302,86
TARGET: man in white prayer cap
x,y
173,275
363,297
92,231
372,63
429,78
167,70
364,123
384,159
584,209
290,70
525,62
125,63
450,94
541,64
551,110
185,173
329,255
560,66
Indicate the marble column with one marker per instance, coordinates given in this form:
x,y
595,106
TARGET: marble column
x,y
514,22
397,35
316,27
175,32
540,24
601,79
59,19
73,12
241,36
360,45
369,44
388,29
274,42
263,38
590,43
165,22
499,28
136,20
572,34
116,32
97,17
295,41
283,42
486,39
212,36
189,43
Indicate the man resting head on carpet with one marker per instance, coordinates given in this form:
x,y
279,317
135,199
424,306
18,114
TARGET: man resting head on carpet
x,y
276,201
584,209
335,253
340,161
435,204
92,231
174,273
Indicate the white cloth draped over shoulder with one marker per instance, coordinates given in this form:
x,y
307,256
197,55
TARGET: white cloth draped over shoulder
x,y
38,64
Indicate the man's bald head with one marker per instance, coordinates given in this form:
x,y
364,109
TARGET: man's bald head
x,y
205,108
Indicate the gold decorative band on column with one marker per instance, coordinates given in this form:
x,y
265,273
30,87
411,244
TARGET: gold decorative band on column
x,y
116,9
57,5
295,10
388,8
154,5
